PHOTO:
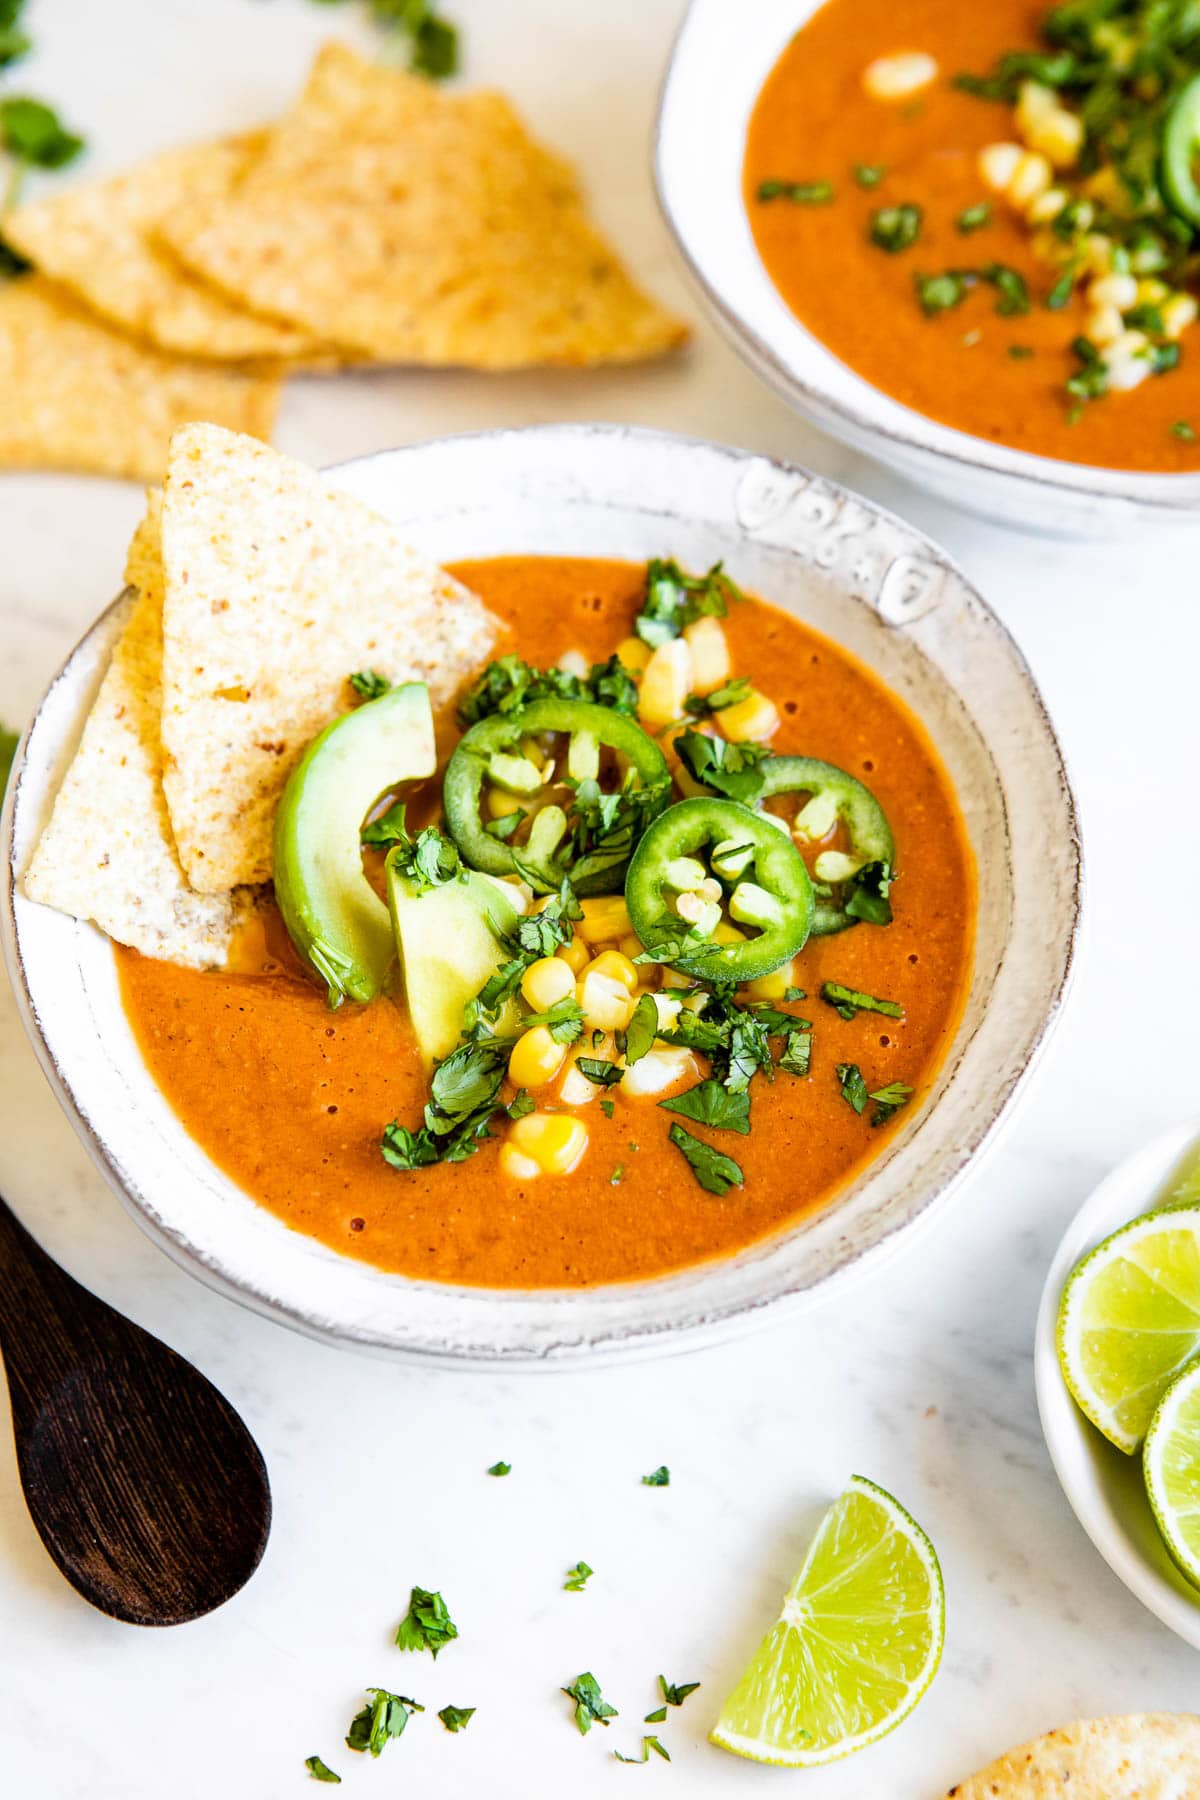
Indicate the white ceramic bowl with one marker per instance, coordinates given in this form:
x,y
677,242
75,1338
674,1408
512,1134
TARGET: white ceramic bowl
x,y
721,57
854,572
1105,1487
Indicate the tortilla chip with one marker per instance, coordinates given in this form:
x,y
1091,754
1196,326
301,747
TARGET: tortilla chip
x,y
75,394
277,589
1143,1756
107,853
420,227
96,240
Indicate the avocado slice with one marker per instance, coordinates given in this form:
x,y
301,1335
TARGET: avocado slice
x,y
449,943
334,917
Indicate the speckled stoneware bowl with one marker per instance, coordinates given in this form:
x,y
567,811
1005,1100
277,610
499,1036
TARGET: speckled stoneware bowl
x,y
721,57
850,570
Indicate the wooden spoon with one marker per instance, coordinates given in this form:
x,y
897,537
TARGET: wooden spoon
x,y
144,1484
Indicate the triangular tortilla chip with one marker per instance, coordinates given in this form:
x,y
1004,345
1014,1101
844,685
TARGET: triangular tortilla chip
x,y
420,227
96,240
75,394
107,853
278,588
1142,1756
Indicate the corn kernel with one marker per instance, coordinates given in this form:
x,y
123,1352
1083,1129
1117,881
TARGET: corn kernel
x,y
535,1059
666,683
1152,292
554,1141
1035,103
1031,177
576,1088
633,655
576,955
1047,206
1178,313
1104,326
773,986
898,77
500,804
1127,363
546,982
604,919
997,164
675,978
835,865
1058,137
1097,253
1120,291
632,947
663,1067
606,1004
711,664
754,719
617,967
516,1166
704,915
725,933
574,662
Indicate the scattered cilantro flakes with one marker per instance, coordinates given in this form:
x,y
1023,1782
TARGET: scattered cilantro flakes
x,y
974,218
731,770
464,1099
711,1104
510,684
577,1578
591,1708
369,685
895,228
730,693
800,193
656,1717
427,1625
617,1176
715,1171
599,1070
1183,431
849,1002
384,1717
1021,352
673,1694
563,1020
854,1088
456,1718
938,293
869,175
660,1477
33,134
608,1107
500,1468
795,993
320,1771
673,600
648,1743
888,1101
797,1056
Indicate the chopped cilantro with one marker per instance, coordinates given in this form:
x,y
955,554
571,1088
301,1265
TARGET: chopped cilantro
x,y
563,1020
320,1771
849,1002
869,175
617,1176
591,1708
1063,288
938,293
577,1578
33,134
382,1718
369,685
1180,429
800,193
521,1105
1020,352
730,693
456,1718
854,1088
429,860
657,1716
974,218
599,1070
510,684
797,1056
1012,294
608,1107
660,1477
500,1468
896,228
795,993
728,769
888,1100
426,1625
711,1104
640,1032
648,1743
673,600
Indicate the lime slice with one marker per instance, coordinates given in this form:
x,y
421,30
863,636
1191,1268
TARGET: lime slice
x,y
857,1642
1130,1320
1171,1461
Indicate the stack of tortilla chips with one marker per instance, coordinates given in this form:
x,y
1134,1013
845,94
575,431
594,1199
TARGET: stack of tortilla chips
x,y
256,591
380,221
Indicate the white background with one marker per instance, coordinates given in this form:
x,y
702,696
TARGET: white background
x,y
921,1377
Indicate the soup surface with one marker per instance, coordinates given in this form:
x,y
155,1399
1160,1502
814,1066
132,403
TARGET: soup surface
x,y
998,377
290,1099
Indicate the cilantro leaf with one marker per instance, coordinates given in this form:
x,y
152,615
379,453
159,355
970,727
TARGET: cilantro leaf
x,y
33,133
657,1716
854,1088
500,1468
715,1171
456,1718
849,1002
676,1695
867,894
730,693
599,1070
607,1107
591,1708
729,769
368,685
660,1477
317,1769
712,1104
797,1056
428,860
641,1031
888,1101
510,684
577,1578
382,1718
673,600
427,1625
648,1743
563,1020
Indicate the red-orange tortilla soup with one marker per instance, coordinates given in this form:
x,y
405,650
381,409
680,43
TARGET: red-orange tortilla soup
x,y
991,213
290,1097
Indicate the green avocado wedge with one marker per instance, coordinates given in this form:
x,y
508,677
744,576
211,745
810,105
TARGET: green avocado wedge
x,y
449,939
334,917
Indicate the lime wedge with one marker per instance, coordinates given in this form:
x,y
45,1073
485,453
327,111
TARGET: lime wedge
x,y
1171,1461
1130,1319
856,1644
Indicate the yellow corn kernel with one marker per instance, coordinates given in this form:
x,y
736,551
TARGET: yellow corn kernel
x,y
772,987
666,683
1107,187
1120,291
535,1059
1035,103
997,164
500,804
725,933
1031,177
1097,253
576,955
898,77
606,1004
615,965
1104,326
675,978
1178,313
554,1141
1151,291
754,719
516,1166
711,665
1047,206
1047,126
604,920
546,982
633,655
631,946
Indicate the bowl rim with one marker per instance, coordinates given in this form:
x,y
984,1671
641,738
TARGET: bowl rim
x,y
1168,494
619,1340
1074,1445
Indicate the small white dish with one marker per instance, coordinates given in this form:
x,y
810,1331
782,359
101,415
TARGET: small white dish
x,y
1104,1486
720,60
851,570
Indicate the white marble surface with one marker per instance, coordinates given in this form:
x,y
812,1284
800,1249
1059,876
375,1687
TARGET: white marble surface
x,y
921,1378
